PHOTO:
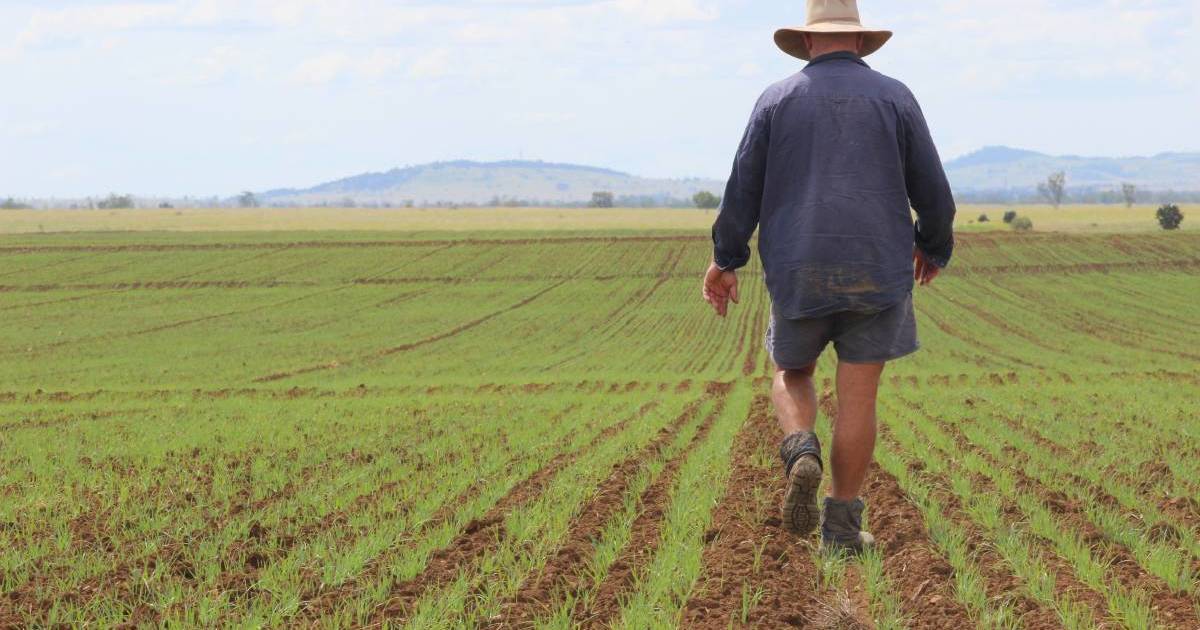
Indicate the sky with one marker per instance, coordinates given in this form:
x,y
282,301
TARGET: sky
x,y
211,97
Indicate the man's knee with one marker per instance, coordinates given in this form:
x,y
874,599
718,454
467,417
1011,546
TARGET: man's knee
x,y
807,371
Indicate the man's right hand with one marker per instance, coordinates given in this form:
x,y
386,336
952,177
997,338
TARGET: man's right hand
x,y
924,271
719,288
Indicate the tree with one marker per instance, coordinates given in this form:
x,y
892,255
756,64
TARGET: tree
x,y
601,199
247,200
983,218
706,200
1129,192
11,204
116,202
1169,216
1022,224
1054,189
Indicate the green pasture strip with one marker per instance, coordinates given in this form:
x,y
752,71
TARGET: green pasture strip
x,y
985,252
386,556
1013,331
554,337
1156,428
1170,562
1154,313
1012,542
533,534
662,590
953,341
347,327
1068,324
1131,607
1165,295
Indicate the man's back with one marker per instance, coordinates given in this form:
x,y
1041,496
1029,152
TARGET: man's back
x,y
830,162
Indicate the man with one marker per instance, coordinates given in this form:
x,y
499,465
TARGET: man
x,y
830,164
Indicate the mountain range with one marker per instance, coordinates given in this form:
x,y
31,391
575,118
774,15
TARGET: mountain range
x,y
508,183
1005,168
995,170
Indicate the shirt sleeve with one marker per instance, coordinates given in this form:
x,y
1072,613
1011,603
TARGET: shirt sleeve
x,y
928,189
738,216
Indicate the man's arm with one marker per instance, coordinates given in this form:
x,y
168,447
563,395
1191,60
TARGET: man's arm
x,y
738,217
928,192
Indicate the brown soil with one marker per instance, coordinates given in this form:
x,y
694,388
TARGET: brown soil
x,y
922,577
644,538
746,522
480,536
1000,584
564,573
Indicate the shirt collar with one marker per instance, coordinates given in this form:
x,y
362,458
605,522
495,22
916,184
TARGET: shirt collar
x,y
841,54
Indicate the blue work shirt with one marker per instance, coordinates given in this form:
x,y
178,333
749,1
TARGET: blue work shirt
x,y
830,163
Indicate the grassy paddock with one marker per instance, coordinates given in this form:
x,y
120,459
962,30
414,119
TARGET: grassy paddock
x,y
1070,218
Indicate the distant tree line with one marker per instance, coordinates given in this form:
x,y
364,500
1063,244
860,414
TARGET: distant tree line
x,y
12,204
1097,196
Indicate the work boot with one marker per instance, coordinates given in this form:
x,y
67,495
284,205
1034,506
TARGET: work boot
x,y
841,527
801,455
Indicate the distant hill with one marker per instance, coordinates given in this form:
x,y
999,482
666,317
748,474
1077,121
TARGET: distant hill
x,y
990,174
494,182
1005,168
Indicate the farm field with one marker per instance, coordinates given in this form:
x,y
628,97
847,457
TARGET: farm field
x,y
451,429
1074,218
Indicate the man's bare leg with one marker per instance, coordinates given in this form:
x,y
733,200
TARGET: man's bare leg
x,y
854,430
795,398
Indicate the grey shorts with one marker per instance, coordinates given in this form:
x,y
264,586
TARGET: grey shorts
x,y
858,337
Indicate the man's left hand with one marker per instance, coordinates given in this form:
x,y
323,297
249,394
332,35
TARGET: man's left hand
x,y
924,271
719,288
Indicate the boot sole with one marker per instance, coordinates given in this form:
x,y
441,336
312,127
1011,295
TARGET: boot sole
x,y
800,511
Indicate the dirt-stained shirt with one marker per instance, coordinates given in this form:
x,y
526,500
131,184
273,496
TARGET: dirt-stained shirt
x,y
832,161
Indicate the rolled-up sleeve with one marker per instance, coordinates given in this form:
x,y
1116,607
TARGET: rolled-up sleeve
x,y
928,189
740,207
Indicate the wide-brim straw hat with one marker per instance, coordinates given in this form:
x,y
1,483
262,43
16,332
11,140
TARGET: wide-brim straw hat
x,y
830,16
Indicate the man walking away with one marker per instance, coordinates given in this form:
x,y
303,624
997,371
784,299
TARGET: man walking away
x,y
832,160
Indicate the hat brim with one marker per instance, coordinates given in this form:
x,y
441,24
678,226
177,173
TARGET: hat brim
x,y
791,40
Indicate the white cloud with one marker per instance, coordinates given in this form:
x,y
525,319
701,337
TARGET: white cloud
x,y
74,22
321,69
661,11
749,69
27,129
434,64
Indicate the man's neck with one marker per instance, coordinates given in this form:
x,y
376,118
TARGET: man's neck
x,y
828,51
